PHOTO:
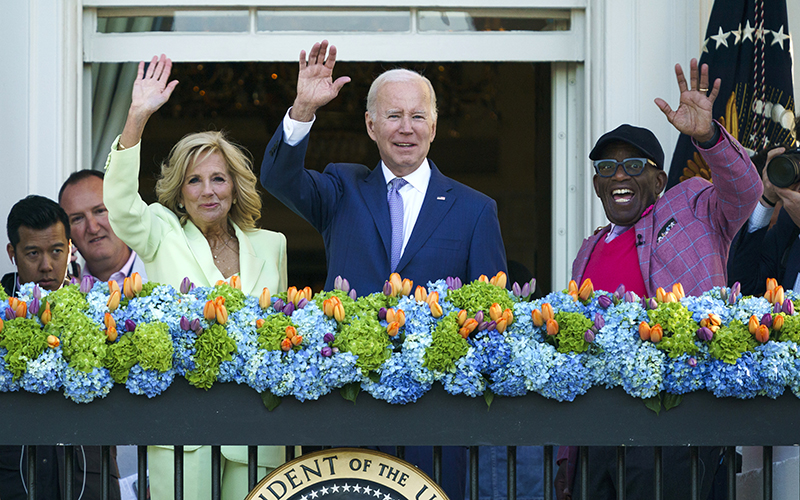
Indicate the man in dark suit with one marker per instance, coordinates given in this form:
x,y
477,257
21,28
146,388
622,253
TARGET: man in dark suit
x,y
442,228
761,252
403,216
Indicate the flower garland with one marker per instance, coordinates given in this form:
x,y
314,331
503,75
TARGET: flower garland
x,y
478,339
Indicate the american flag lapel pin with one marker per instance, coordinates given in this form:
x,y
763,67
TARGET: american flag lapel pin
x,y
440,198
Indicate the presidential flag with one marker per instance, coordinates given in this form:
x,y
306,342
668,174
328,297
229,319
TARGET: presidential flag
x,y
747,46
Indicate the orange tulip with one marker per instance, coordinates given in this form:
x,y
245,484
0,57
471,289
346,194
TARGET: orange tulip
x,y
483,278
21,310
769,294
644,331
433,297
209,311
113,286
136,283
297,340
221,314
111,333
538,319
393,329
46,316
777,322
713,328
779,296
127,288
407,286
656,334
436,310
308,293
762,333
495,311
397,283
327,307
236,282
500,280
290,331
572,287
420,294
500,325
53,341
290,295
547,311
677,289
108,321
586,290
338,312
660,294
463,332
286,344
1,325
113,299
461,317
219,301
772,283
260,322
390,315
220,283
265,299
400,317
713,319
552,327
508,316
752,325
705,322
470,325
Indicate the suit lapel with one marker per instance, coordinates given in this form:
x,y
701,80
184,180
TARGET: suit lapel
x,y
644,247
202,252
373,189
438,200
582,259
250,264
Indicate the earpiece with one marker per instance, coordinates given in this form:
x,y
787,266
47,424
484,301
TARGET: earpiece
x,y
12,261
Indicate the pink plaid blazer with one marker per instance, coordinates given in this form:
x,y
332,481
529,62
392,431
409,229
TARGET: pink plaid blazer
x,y
686,237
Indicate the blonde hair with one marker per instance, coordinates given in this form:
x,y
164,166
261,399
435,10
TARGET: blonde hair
x,y
246,209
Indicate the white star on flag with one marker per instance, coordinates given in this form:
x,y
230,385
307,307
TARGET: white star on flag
x,y
721,38
748,32
737,34
779,37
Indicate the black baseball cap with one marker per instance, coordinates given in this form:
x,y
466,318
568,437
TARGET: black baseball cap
x,y
638,137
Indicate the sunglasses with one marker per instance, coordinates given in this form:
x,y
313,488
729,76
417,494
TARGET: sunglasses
x,y
632,166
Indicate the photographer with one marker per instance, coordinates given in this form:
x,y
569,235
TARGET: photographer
x,y
761,252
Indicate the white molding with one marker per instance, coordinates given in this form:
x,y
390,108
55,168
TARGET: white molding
x,y
524,4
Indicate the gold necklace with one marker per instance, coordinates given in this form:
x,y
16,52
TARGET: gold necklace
x,y
224,244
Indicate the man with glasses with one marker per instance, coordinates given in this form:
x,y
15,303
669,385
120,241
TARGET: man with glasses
x,y
681,237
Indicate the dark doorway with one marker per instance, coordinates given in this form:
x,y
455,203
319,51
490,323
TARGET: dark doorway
x,y
493,134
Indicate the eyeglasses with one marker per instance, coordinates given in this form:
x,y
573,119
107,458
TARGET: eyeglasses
x,y
632,166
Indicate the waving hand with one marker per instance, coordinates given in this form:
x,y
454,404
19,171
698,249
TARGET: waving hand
x,y
315,84
694,114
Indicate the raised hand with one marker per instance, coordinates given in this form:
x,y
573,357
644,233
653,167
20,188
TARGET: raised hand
x,y
315,84
695,112
150,92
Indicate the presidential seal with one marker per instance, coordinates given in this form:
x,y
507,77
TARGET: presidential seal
x,y
347,473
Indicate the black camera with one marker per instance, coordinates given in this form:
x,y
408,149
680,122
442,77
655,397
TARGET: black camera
x,y
784,170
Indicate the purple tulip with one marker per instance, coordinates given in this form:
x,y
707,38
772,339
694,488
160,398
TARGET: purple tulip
x,y
196,327
33,307
736,289
74,281
526,289
482,325
387,288
449,282
588,336
767,320
516,290
599,321
288,309
130,325
327,352
723,294
37,292
337,283
705,334
302,303
278,305
184,323
456,283
653,303
491,325
186,285
776,308
532,285
10,314
631,297
788,307
353,295
604,301
479,316
335,350
382,314
328,338
620,293
692,362
87,282
345,285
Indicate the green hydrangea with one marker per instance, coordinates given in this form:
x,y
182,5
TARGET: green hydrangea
x,y
791,328
273,331
680,330
479,296
447,346
212,347
150,345
83,343
234,298
731,341
367,339
120,358
572,327
25,341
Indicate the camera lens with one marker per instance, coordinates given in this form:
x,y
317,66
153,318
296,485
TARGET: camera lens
x,y
784,170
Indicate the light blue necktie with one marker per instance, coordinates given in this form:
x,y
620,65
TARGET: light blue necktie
x,y
396,215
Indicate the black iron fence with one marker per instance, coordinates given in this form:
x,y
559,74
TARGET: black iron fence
x,y
234,415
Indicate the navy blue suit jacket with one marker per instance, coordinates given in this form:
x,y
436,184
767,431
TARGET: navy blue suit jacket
x,y
456,234
762,254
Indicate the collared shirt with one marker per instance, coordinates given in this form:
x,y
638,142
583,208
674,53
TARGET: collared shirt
x,y
118,276
617,230
413,193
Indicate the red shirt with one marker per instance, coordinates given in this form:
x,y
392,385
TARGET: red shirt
x,y
615,263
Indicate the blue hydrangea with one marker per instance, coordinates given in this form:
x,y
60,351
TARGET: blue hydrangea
x,y
776,367
7,382
702,306
151,383
83,387
45,373
739,380
681,377
748,306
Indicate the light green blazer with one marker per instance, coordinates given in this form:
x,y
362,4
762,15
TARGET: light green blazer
x,y
170,251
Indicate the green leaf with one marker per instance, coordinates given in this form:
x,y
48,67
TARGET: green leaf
x,y
488,396
350,391
375,377
654,403
270,400
672,400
